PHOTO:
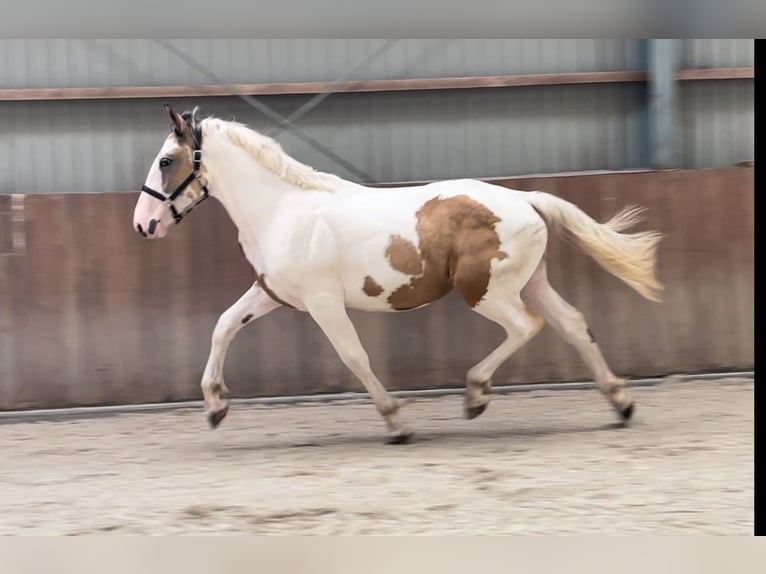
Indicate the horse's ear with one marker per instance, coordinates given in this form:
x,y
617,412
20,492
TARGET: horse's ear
x,y
180,126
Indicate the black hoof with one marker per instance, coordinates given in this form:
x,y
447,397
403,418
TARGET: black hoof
x,y
215,417
473,412
401,438
627,412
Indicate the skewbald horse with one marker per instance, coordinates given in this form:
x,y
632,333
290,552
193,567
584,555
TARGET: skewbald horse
x,y
322,244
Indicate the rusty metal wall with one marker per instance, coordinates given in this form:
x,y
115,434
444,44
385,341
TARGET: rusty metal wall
x,y
92,314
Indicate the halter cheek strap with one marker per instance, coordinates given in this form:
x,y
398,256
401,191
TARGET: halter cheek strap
x,y
170,199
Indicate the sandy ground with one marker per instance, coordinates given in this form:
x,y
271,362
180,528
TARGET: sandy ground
x,y
548,462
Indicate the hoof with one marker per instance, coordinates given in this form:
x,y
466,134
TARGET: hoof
x,y
627,412
473,412
215,417
402,437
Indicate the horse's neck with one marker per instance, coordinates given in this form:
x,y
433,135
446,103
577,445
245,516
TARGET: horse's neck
x,y
247,190
254,197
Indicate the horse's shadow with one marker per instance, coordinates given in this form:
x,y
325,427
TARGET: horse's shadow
x,y
440,437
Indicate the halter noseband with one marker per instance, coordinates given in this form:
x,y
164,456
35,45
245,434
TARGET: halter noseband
x,y
195,174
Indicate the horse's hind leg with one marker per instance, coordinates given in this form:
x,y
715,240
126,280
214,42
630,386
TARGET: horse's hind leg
x,y
570,324
520,324
502,304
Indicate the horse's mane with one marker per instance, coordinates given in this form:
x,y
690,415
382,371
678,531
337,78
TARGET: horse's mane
x,y
270,154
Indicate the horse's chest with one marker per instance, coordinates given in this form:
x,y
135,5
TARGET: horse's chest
x,y
268,274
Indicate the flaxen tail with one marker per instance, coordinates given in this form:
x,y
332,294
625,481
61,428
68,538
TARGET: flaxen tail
x,y
631,257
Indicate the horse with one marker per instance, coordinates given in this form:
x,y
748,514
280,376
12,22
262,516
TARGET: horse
x,y
322,244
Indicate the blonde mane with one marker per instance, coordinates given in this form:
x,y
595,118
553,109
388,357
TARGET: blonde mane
x,y
270,154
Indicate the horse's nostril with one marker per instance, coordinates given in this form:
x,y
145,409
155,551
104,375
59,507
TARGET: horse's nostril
x,y
140,230
152,226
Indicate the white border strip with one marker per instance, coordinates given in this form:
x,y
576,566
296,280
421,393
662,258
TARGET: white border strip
x,y
18,235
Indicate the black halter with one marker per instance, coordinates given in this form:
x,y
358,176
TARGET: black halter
x,y
195,174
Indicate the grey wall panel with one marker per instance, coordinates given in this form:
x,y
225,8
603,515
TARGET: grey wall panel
x,y
718,123
711,53
82,63
97,146
77,146
101,146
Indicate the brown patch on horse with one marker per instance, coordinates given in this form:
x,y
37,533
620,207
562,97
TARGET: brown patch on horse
x,y
182,164
404,256
176,173
371,287
261,279
457,241
183,124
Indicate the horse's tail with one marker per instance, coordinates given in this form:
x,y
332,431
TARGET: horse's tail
x,y
631,257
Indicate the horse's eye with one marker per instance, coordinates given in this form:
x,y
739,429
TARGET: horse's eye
x,y
165,162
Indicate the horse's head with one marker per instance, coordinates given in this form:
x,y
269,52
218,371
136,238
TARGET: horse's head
x,y
174,184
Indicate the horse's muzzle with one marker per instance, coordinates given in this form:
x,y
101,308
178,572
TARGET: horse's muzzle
x,y
153,230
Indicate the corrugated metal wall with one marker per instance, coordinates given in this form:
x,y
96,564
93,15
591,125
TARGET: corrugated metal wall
x,y
718,122
710,53
98,146
93,314
718,117
83,63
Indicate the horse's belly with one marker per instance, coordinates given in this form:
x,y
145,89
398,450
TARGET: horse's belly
x,y
416,292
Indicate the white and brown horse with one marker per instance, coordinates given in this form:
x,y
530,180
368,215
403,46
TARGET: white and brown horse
x,y
322,244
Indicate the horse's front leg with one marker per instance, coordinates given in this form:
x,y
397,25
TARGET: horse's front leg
x,y
330,314
253,304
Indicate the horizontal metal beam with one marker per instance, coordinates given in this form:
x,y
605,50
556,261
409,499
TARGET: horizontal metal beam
x,y
293,88
716,74
414,84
